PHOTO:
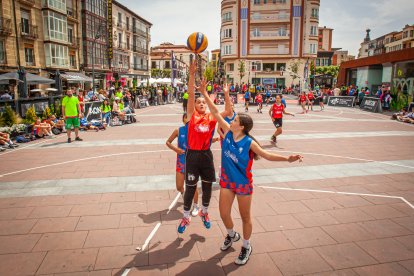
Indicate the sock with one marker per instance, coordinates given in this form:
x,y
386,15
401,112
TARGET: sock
x,y
231,232
246,243
205,210
187,214
10,142
195,205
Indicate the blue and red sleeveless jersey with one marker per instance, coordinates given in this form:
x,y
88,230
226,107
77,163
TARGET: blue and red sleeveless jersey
x,y
182,144
200,131
236,164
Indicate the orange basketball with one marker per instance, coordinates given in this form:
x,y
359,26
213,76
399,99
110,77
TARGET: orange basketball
x,y
197,42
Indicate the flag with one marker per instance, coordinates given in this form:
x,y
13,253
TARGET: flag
x,y
173,68
306,70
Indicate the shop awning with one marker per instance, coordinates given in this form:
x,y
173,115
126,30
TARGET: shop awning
x,y
75,77
30,78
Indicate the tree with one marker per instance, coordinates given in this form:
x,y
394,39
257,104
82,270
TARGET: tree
x,y
242,69
332,71
30,116
46,113
294,67
209,73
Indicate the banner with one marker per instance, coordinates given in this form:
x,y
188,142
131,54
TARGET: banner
x,y
371,104
110,38
272,99
93,111
344,101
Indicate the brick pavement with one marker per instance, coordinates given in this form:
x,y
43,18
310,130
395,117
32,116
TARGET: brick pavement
x,y
85,231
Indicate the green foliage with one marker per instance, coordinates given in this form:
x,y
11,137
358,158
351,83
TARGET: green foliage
x,y
328,70
30,116
46,113
209,73
294,67
242,69
57,108
399,99
158,73
2,121
9,117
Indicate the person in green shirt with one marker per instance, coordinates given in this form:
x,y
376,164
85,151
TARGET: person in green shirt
x,y
185,101
71,112
106,111
119,93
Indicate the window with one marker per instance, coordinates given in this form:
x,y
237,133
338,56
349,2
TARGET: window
x,y
411,33
167,65
227,33
25,21
119,18
56,55
315,13
2,52
127,23
264,1
227,16
256,2
231,67
72,60
256,66
312,48
55,26
57,4
280,65
317,62
313,30
268,67
127,41
227,50
119,40
153,65
70,34
29,56
282,31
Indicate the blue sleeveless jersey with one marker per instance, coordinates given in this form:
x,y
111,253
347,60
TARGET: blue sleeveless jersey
x,y
236,165
182,144
231,119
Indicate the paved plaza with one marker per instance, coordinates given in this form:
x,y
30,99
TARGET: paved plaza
x,y
83,208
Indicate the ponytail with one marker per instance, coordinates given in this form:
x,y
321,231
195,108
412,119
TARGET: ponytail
x,y
255,156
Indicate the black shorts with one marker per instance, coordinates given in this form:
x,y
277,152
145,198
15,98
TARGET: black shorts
x,y
185,101
278,122
199,164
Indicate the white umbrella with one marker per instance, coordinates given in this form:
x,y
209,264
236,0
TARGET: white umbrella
x,y
166,81
51,89
159,80
36,90
177,81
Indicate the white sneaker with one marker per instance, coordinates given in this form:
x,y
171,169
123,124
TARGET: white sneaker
x,y
195,211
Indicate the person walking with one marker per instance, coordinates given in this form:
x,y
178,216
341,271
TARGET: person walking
x,y
71,111
276,113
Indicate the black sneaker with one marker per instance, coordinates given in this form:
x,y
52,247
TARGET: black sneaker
x,y
244,256
228,241
69,140
78,139
273,139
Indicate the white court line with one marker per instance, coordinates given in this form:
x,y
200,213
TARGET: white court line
x,y
297,130
151,235
126,271
341,193
174,202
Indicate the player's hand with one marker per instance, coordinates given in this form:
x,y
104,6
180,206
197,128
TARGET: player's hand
x,y
294,158
293,115
202,87
180,151
226,88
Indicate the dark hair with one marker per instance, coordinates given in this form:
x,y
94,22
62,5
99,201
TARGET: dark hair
x,y
247,122
278,95
184,116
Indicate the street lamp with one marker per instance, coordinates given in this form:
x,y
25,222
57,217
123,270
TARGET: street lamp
x,y
97,36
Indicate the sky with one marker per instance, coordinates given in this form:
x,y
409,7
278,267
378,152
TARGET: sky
x,y
174,21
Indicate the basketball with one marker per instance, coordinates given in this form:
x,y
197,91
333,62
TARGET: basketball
x,y
197,42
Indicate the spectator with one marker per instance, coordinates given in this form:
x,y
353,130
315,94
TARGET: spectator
x,y
159,95
85,125
116,109
6,142
106,112
81,99
42,130
6,96
71,113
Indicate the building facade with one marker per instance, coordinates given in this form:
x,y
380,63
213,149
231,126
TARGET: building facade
x,y
131,40
266,36
394,41
161,58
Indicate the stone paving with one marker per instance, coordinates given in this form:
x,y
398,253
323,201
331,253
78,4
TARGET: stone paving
x,y
82,209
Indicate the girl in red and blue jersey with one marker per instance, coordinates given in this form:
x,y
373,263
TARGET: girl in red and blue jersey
x,y
276,113
199,158
182,133
238,151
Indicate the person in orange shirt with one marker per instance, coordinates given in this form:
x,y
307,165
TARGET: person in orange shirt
x,y
259,101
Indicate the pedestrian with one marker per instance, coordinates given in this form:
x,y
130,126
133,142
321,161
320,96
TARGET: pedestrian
x,y
71,111
246,100
238,151
303,99
311,99
276,113
320,97
259,102
185,101
267,95
199,158
180,149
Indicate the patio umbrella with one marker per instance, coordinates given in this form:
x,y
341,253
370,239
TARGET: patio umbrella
x,y
35,79
36,90
10,76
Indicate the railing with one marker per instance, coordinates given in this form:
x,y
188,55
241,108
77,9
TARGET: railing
x,y
226,20
280,17
140,50
71,13
31,63
140,32
270,34
28,31
140,67
74,42
5,26
120,25
274,51
121,45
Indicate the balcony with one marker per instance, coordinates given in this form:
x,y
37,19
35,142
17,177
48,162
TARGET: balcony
x,y
140,50
121,46
74,42
268,35
120,25
135,30
31,63
225,20
30,3
28,31
5,26
72,14
141,67
271,18
269,51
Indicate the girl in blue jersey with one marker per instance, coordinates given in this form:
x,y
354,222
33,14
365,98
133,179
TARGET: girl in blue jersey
x,y
238,151
180,149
